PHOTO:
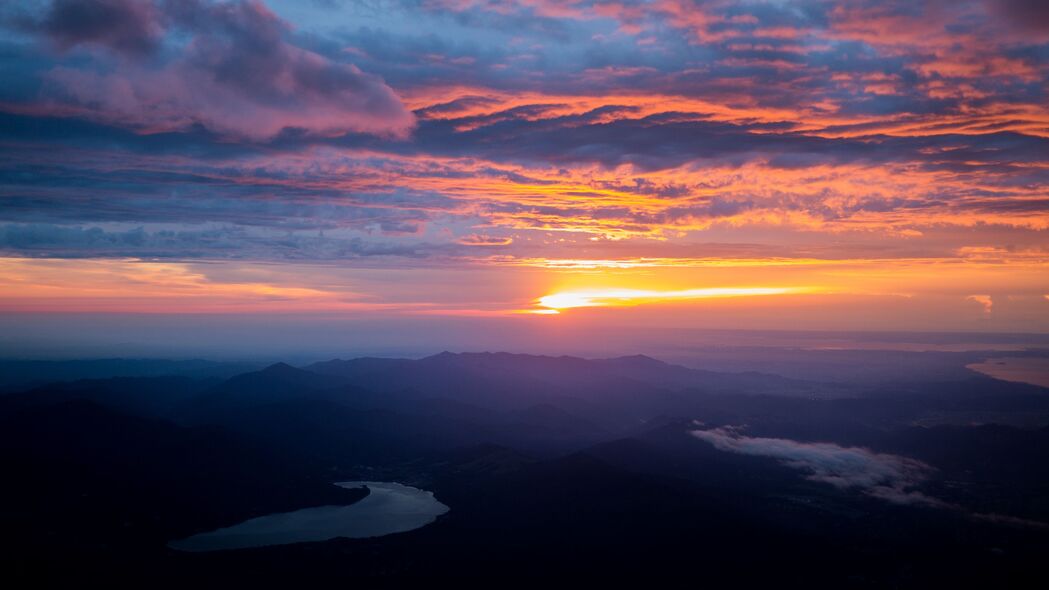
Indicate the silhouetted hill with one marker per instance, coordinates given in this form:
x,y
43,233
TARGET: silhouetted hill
x,y
82,475
274,384
334,436
142,396
555,420
566,371
359,367
556,469
19,375
611,393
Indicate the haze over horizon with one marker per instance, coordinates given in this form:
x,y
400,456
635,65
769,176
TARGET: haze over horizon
x,y
296,339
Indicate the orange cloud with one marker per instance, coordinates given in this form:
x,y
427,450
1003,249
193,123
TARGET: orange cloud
x,y
984,300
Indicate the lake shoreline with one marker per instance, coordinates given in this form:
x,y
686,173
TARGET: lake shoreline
x,y
388,508
1030,370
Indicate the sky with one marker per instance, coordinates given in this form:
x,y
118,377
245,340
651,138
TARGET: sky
x,y
518,173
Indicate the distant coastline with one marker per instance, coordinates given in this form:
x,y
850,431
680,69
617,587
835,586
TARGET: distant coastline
x,y
1032,370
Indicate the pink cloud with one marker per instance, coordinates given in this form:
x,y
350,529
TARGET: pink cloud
x,y
236,74
484,240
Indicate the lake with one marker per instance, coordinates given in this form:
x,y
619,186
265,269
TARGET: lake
x,y
388,508
1033,370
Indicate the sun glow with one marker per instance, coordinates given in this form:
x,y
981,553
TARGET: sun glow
x,y
624,297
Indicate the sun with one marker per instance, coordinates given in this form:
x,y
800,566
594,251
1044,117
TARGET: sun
x,y
627,297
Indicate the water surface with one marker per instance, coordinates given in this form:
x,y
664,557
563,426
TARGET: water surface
x,y
1033,370
388,508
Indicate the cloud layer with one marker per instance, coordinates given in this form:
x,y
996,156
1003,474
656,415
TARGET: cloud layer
x,y
230,67
537,132
889,477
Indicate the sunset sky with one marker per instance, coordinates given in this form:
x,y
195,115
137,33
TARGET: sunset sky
x,y
528,166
